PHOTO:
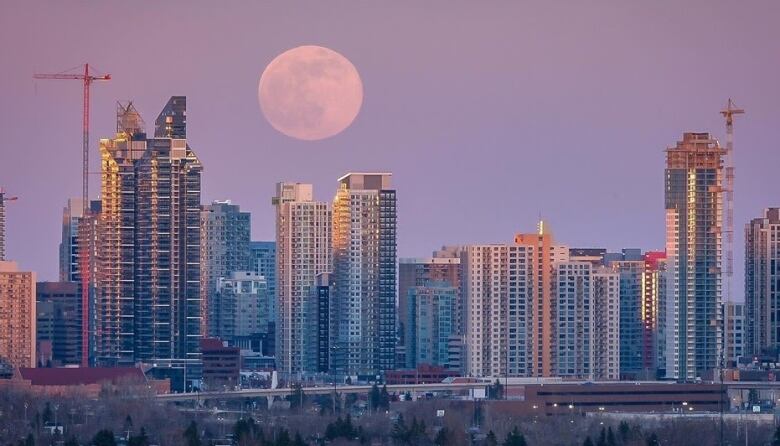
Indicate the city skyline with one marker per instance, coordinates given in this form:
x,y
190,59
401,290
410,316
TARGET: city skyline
x,y
489,145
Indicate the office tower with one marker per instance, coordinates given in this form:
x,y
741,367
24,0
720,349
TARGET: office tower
x,y
606,324
59,319
762,283
241,307
224,250
734,314
642,300
303,239
574,320
324,286
364,266
431,323
17,318
694,204
413,272
149,304
497,292
541,301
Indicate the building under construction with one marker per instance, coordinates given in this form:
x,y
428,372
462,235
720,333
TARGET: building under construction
x,y
694,247
149,303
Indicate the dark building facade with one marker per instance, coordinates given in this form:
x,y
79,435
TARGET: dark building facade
x,y
58,314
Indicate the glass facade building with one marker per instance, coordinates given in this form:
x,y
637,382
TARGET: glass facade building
x,y
694,217
363,304
149,306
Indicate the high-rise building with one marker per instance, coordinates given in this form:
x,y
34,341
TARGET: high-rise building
x,y
241,307
574,320
262,260
606,324
225,233
149,302
541,301
642,311
497,292
694,208
78,251
734,314
17,318
58,315
415,272
430,324
363,332
762,283
303,239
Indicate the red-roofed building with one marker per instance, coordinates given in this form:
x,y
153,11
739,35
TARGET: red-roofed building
x,y
89,381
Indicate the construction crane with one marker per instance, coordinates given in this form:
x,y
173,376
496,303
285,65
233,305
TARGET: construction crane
x,y
728,113
86,78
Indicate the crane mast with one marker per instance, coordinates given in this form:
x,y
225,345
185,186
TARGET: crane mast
x,y
728,113
85,252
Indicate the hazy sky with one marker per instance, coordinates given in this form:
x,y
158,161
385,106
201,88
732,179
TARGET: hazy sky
x,y
487,113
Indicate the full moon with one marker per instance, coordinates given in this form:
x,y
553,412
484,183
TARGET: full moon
x,y
310,93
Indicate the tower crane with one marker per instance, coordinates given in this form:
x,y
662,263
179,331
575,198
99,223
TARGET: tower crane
x,y
87,78
728,113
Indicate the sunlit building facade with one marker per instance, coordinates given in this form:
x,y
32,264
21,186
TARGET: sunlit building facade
x,y
18,316
149,306
363,304
541,301
303,250
762,283
694,248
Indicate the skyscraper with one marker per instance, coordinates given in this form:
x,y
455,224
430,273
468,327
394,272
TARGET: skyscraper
x,y
574,320
78,252
303,239
17,318
498,292
694,208
364,266
762,283
262,260
225,233
541,300
149,304
606,324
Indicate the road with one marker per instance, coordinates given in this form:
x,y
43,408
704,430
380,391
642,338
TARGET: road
x,y
252,393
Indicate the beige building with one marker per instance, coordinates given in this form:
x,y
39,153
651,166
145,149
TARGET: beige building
x,y
303,243
17,315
